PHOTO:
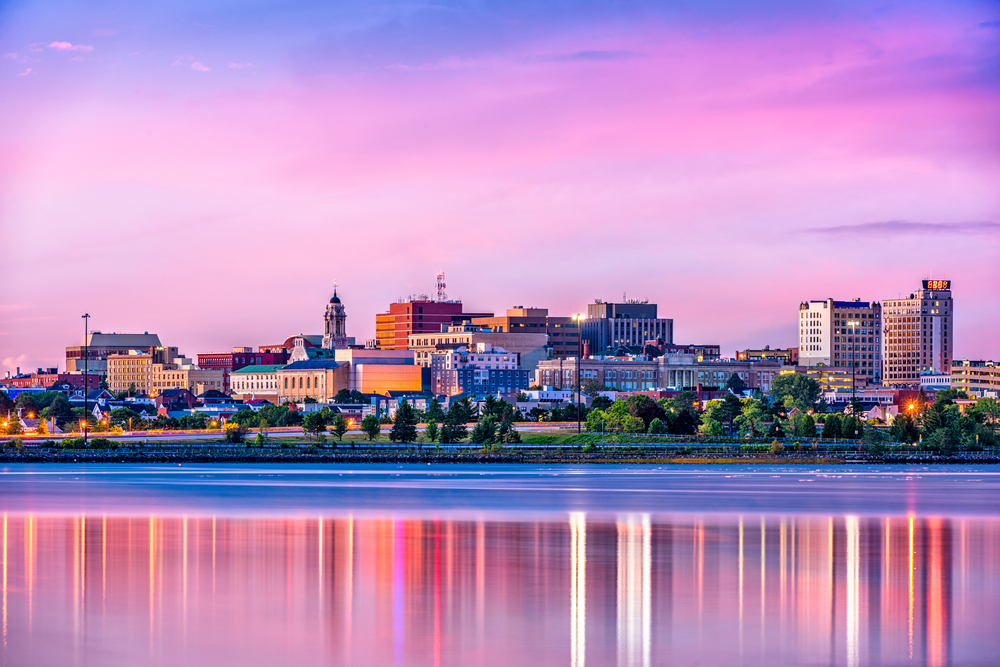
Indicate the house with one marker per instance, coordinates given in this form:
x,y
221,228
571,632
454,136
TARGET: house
x,y
174,399
215,397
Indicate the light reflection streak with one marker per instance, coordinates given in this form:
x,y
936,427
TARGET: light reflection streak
x,y
853,589
740,566
578,589
910,556
634,590
5,580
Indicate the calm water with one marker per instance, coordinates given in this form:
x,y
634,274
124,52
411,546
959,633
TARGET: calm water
x,y
489,565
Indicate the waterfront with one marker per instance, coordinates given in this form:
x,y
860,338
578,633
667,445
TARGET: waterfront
x,y
498,565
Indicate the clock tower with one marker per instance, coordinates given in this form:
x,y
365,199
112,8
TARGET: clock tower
x,y
335,329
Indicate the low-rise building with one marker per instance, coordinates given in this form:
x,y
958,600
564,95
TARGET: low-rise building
x,y
530,348
636,373
563,332
976,378
480,369
253,382
787,357
152,373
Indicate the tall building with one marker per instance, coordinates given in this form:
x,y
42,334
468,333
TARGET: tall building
x,y
918,333
842,334
335,324
629,324
563,332
419,314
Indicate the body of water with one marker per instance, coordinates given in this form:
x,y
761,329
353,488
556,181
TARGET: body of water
x,y
500,565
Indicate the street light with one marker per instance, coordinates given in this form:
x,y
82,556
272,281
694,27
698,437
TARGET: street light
x,y
578,318
86,376
854,365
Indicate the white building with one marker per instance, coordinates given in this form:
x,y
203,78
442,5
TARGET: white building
x,y
841,334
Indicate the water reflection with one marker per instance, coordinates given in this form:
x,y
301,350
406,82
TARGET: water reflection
x,y
631,590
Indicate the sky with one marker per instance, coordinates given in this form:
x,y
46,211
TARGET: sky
x,y
206,170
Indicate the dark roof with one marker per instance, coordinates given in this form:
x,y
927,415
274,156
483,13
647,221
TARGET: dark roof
x,y
212,393
312,364
176,391
335,298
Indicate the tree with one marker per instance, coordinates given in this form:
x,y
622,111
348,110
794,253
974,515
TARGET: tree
x,y
751,418
235,432
404,426
736,383
507,434
831,427
434,410
904,428
43,427
592,386
339,427
520,398
26,403
454,429
710,425
803,390
6,404
485,431
645,408
601,403
314,423
350,397
60,409
805,426
431,432
657,426
371,427
309,399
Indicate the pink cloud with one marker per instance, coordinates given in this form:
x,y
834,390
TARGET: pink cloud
x,y
240,65
199,67
25,72
66,46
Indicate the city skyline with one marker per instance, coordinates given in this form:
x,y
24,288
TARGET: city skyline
x,y
205,171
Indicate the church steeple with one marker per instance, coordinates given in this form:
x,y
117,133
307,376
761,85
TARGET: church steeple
x,y
335,330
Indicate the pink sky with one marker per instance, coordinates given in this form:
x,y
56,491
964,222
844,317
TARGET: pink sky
x,y
209,183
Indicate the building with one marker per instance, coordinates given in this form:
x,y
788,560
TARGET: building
x,y
918,334
47,377
228,362
831,378
154,372
97,346
323,373
788,357
419,314
842,334
479,369
256,382
530,348
563,332
976,378
631,323
646,373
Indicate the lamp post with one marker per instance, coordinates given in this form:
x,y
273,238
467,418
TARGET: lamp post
x,y
86,375
578,318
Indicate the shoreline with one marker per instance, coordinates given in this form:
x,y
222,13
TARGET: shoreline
x,y
527,456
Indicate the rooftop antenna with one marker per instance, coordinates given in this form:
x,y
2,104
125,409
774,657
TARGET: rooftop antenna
x,y
441,295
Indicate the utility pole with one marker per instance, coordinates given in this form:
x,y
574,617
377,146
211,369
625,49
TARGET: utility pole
x,y
86,374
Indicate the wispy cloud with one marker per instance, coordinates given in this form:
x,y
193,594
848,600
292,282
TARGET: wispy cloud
x,y
67,46
199,67
25,72
593,56
240,65
907,227
990,24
